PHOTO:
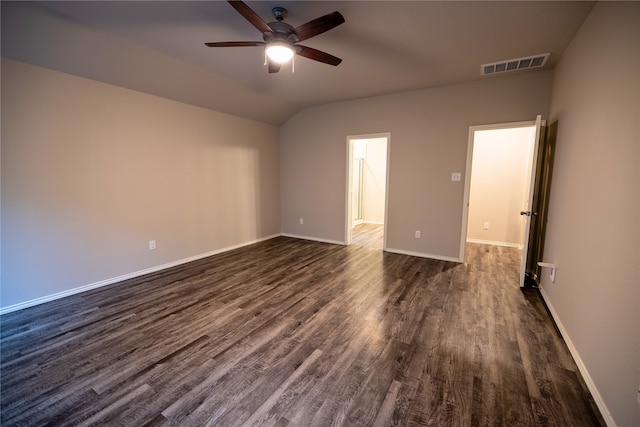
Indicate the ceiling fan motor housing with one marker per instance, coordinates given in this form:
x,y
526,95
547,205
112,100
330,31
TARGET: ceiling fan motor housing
x,y
282,32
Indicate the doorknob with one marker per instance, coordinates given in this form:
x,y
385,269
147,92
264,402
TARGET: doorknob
x,y
528,213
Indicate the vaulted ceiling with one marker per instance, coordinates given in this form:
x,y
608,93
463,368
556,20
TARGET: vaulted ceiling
x,y
157,47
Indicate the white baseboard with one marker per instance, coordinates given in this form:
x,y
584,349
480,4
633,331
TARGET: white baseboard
x,y
581,367
314,239
423,255
113,280
493,242
364,221
391,250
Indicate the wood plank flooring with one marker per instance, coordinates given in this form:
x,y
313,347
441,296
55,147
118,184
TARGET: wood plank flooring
x,y
369,235
289,332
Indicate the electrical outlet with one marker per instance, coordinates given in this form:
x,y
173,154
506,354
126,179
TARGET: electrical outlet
x,y
417,234
486,225
301,220
456,176
152,245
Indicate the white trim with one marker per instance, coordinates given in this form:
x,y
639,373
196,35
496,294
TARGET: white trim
x,y
468,168
465,196
467,177
348,220
497,126
347,204
494,243
314,239
386,192
374,222
114,280
581,367
530,193
423,255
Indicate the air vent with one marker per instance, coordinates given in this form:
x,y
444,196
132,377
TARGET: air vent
x,y
526,63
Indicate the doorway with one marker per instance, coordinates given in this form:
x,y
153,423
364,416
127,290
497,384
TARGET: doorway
x,y
367,163
501,164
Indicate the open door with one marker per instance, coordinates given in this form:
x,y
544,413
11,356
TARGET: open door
x,y
534,194
367,182
542,192
528,210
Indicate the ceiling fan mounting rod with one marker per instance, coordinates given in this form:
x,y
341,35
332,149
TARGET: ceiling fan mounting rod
x,y
279,13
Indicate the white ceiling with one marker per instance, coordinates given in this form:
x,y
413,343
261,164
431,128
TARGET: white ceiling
x,y
158,47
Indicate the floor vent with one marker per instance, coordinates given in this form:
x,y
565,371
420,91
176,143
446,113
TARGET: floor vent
x,y
517,64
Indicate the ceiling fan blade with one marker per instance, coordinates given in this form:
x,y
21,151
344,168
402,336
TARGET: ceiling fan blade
x,y
274,67
319,25
317,55
251,16
234,44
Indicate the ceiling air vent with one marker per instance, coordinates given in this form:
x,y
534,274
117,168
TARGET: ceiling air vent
x,y
517,64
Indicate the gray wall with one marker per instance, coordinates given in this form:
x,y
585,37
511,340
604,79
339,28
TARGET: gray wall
x,y
429,136
593,231
91,172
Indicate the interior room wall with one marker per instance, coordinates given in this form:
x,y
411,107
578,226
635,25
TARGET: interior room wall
x,y
498,180
593,230
375,180
31,32
429,133
359,158
92,172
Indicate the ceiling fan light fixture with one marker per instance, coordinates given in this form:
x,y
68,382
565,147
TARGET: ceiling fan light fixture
x,y
280,40
279,52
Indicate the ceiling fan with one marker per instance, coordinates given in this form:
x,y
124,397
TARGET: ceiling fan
x,y
281,39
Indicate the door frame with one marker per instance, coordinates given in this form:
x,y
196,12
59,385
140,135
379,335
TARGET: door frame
x,y
349,184
530,212
469,164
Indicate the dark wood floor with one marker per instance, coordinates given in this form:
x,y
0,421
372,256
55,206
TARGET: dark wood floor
x,y
292,332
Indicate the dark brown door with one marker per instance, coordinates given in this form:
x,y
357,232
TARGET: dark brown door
x,y
540,204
